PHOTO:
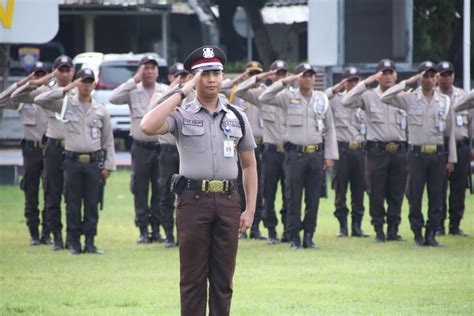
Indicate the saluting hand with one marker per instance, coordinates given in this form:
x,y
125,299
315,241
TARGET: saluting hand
x,y
189,85
25,80
291,78
139,75
265,75
246,219
338,87
368,81
71,85
41,81
414,79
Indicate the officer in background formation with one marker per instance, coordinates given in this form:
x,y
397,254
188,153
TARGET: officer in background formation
x,y
350,168
34,122
55,133
428,115
168,158
311,147
273,156
385,150
137,93
457,180
210,134
229,88
89,156
466,103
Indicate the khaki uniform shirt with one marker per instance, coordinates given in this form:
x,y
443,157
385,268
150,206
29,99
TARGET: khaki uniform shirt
x,y
138,100
33,117
384,123
427,120
462,118
466,103
274,118
349,123
27,94
88,127
308,122
200,139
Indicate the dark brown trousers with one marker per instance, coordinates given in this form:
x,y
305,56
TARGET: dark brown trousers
x,y
207,225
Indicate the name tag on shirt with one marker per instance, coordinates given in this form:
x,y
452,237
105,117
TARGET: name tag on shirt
x,y
295,103
229,150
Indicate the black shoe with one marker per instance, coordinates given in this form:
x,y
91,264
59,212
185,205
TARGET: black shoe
x,y
74,246
295,243
34,233
58,241
242,235
144,236
257,235
456,231
90,247
272,236
169,242
308,242
430,239
441,231
343,230
155,234
46,240
379,237
357,230
392,234
285,238
35,242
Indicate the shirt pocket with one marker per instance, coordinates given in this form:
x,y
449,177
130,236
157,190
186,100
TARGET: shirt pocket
x,y
341,119
139,105
416,117
28,117
268,113
295,117
376,114
193,138
73,125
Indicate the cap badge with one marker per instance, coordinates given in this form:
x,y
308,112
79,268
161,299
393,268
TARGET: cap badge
x,y
386,63
179,67
279,64
352,71
307,66
445,65
64,59
429,64
39,64
87,72
208,52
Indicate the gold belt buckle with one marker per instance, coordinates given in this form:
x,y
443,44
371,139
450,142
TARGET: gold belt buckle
x,y
391,147
280,148
429,149
216,186
309,149
62,143
354,145
84,158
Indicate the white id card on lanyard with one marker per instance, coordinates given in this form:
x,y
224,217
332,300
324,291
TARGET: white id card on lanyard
x,y
459,120
229,150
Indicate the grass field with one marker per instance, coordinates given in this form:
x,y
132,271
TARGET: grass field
x,y
345,277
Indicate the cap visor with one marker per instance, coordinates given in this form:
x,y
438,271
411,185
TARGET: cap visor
x,y
255,69
209,68
63,64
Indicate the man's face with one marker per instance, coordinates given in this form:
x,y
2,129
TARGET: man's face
x,y
150,73
306,82
428,80
210,83
182,77
388,78
349,84
86,87
280,74
445,80
64,75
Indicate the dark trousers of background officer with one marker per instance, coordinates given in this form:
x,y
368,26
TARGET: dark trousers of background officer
x,y
168,165
82,183
457,187
303,172
385,180
424,169
207,225
145,171
350,168
53,185
273,172
33,170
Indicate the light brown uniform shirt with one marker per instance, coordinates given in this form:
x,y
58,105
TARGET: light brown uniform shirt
x,y
138,100
27,94
33,117
462,118
467,103
200,139
349,123
88,127
308,121
427,119
274,123
384,123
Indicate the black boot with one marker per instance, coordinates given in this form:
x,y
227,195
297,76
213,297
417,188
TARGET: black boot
x,y
441,231
295,242
392,233
46,237
379,234
74,244
144,236
34,233
89,246
419,242
308,241
58,241
170,242
155,234
356,228
255,234
272,236
286,237
430,239
455,230
343,230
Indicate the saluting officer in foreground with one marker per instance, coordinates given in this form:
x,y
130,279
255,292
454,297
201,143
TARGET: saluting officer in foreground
x,y
428,115
137,93
209,134
350,168
34,122
311,147
89,157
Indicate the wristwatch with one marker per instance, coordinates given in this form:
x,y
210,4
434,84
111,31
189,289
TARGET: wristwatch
x,y
181,93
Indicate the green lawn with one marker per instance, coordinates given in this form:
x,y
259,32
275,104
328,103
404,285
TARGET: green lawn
x,y
345,277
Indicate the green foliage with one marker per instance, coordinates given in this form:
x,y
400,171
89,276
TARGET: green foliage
x,y
346,276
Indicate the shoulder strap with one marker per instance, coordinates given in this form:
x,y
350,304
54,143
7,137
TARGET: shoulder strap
x,y
239,117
